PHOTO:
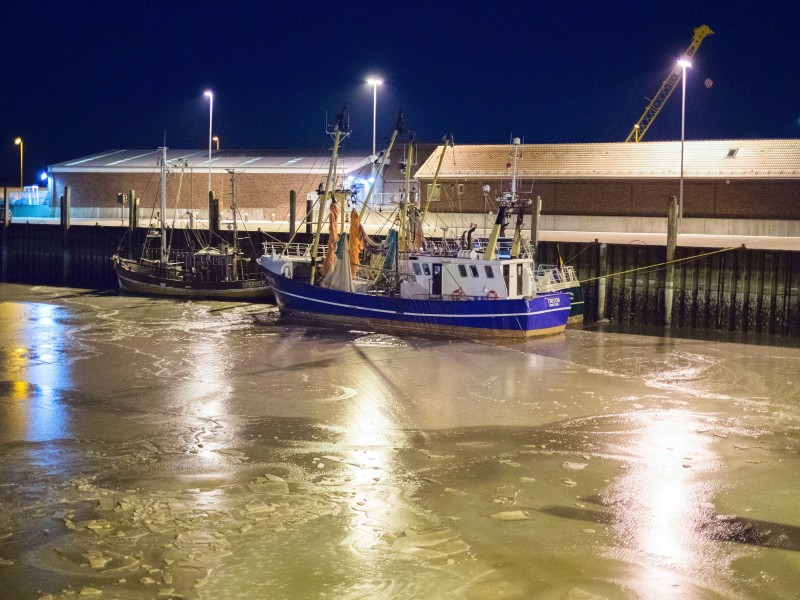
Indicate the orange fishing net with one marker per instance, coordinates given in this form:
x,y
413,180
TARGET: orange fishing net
x,y
356,241
333,238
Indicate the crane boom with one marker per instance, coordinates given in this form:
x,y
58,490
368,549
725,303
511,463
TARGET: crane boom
x,y
652,110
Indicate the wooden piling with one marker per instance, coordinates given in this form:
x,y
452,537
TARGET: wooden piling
x,y
292,211
133,211
66,254
4,222
213,214
309,215
536,214
672,242
602,271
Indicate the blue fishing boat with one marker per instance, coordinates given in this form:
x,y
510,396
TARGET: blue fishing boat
x,y
424,303
408,284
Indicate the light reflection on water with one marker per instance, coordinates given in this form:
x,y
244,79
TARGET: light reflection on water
x,y
661,501
369,407
38,366
371,435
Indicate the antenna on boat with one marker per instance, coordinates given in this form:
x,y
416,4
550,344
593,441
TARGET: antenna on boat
x,y
398,128
515,143
163,214
342,124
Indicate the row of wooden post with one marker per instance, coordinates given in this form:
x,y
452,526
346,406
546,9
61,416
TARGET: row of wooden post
x,y
214,224
672,240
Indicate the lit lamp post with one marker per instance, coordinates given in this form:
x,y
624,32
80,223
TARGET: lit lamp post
x,y
210,95
216,142
374,83
18,142
683,63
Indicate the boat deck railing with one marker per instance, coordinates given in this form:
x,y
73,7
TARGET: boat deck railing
x,y
449,297
444,247
293,250
554,274
504,245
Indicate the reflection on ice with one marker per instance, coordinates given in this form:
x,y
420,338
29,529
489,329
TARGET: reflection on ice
x,y
660,501
39,364
203,454
380,340
369,439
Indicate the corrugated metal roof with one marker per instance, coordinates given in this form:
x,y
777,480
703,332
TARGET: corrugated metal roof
x,y
735,159
252,161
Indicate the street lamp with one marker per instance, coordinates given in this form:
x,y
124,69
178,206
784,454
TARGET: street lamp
x,y
683,63
210,95
18,142
216,142
374,83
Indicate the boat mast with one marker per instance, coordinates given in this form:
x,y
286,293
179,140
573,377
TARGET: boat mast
x,y
397,129
339,129
491,245
515,143
233,207
164,253
405,203
515,246
448,141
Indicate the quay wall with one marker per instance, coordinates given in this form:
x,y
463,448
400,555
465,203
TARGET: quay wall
x,y
735,290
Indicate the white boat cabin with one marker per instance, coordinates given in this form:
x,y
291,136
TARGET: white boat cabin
x,y
466,276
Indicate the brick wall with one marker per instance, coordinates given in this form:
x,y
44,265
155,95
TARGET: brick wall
x,y
253,190
705,198
270,192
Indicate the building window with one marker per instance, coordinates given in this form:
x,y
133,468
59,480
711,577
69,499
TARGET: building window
x,y
732,153
434,193
460,189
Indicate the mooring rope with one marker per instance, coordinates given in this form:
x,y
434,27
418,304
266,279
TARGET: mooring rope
x,y
658,265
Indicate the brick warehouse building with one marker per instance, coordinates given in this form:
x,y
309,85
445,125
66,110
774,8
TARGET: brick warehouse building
x,y
744,180
263,179
727,179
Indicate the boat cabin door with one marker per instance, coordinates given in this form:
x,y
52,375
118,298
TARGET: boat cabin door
x,y
436,282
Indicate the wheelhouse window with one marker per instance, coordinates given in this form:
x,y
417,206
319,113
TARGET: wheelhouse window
x,y
417,269
426,268
462,270
474,270
489,271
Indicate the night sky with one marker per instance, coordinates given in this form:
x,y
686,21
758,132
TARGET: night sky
x,y
82,77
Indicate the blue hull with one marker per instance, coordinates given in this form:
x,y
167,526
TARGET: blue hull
x,y
543,315
576,302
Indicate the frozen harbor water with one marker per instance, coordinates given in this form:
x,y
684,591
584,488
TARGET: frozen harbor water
x,y
167,449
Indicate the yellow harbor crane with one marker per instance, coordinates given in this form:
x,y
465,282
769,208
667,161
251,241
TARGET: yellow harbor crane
x,y
652,110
